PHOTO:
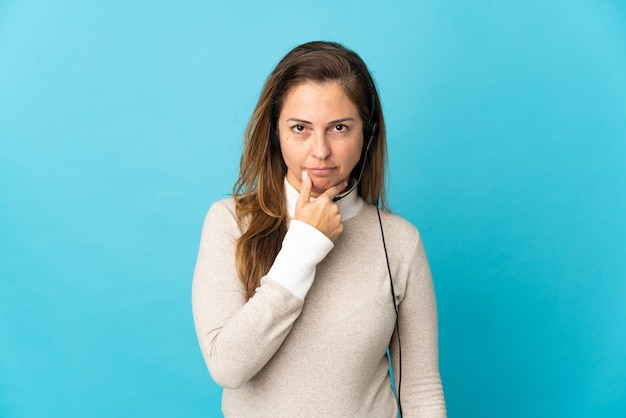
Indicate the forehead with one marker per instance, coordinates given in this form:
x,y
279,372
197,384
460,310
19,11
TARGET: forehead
x,y
312,97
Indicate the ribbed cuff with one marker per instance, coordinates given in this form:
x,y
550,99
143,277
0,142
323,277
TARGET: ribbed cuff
x,y
303,248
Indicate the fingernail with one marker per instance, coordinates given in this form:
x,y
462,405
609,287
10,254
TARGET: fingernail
x,y
305,175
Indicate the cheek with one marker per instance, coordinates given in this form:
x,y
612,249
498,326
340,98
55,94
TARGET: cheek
x,y
291,156
352,156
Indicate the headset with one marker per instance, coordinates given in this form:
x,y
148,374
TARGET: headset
x,y
370,131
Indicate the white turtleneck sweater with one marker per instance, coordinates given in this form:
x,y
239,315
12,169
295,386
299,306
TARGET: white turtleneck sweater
x,y
312,341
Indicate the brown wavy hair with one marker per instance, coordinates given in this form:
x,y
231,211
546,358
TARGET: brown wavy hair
x,y
260,190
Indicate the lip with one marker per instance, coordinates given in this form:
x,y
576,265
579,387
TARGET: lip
x,y
320,171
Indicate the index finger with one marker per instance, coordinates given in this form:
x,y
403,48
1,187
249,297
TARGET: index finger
x,y
334,191
305,190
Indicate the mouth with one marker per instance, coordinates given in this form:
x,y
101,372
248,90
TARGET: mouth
x,y
320,171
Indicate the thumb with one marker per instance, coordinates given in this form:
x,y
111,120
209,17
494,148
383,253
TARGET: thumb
x,y
305,190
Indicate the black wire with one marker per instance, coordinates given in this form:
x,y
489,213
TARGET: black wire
x,y
364,158
395,307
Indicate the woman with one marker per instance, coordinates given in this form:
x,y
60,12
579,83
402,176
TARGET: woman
x,y
296,294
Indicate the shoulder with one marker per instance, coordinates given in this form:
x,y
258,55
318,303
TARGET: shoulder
x,y
396,227
223,208
403,246
400,236
222,215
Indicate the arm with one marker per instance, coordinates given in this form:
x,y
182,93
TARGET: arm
x,y
421,390
238,337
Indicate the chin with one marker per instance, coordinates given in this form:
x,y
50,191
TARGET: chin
x,y
324,184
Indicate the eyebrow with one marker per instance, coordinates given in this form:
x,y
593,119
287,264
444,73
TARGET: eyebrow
x,y
332,122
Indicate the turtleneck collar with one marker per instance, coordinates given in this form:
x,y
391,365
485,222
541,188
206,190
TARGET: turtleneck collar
x,y
349,206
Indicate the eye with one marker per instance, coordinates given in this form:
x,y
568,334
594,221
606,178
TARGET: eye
x,y
341,128
298,128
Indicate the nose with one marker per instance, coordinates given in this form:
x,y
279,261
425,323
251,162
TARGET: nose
x,y
321,147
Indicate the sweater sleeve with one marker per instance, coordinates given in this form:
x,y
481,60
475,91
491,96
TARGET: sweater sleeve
x,y
238,337
421,391
303,248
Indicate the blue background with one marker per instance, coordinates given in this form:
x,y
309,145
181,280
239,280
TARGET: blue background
x,y
121,121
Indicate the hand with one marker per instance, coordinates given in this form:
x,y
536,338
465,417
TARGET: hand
x,y
323,213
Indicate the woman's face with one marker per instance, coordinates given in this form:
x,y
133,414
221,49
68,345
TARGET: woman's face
x,y
321,132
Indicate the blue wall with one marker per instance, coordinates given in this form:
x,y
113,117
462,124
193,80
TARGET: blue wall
x,y
120,122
